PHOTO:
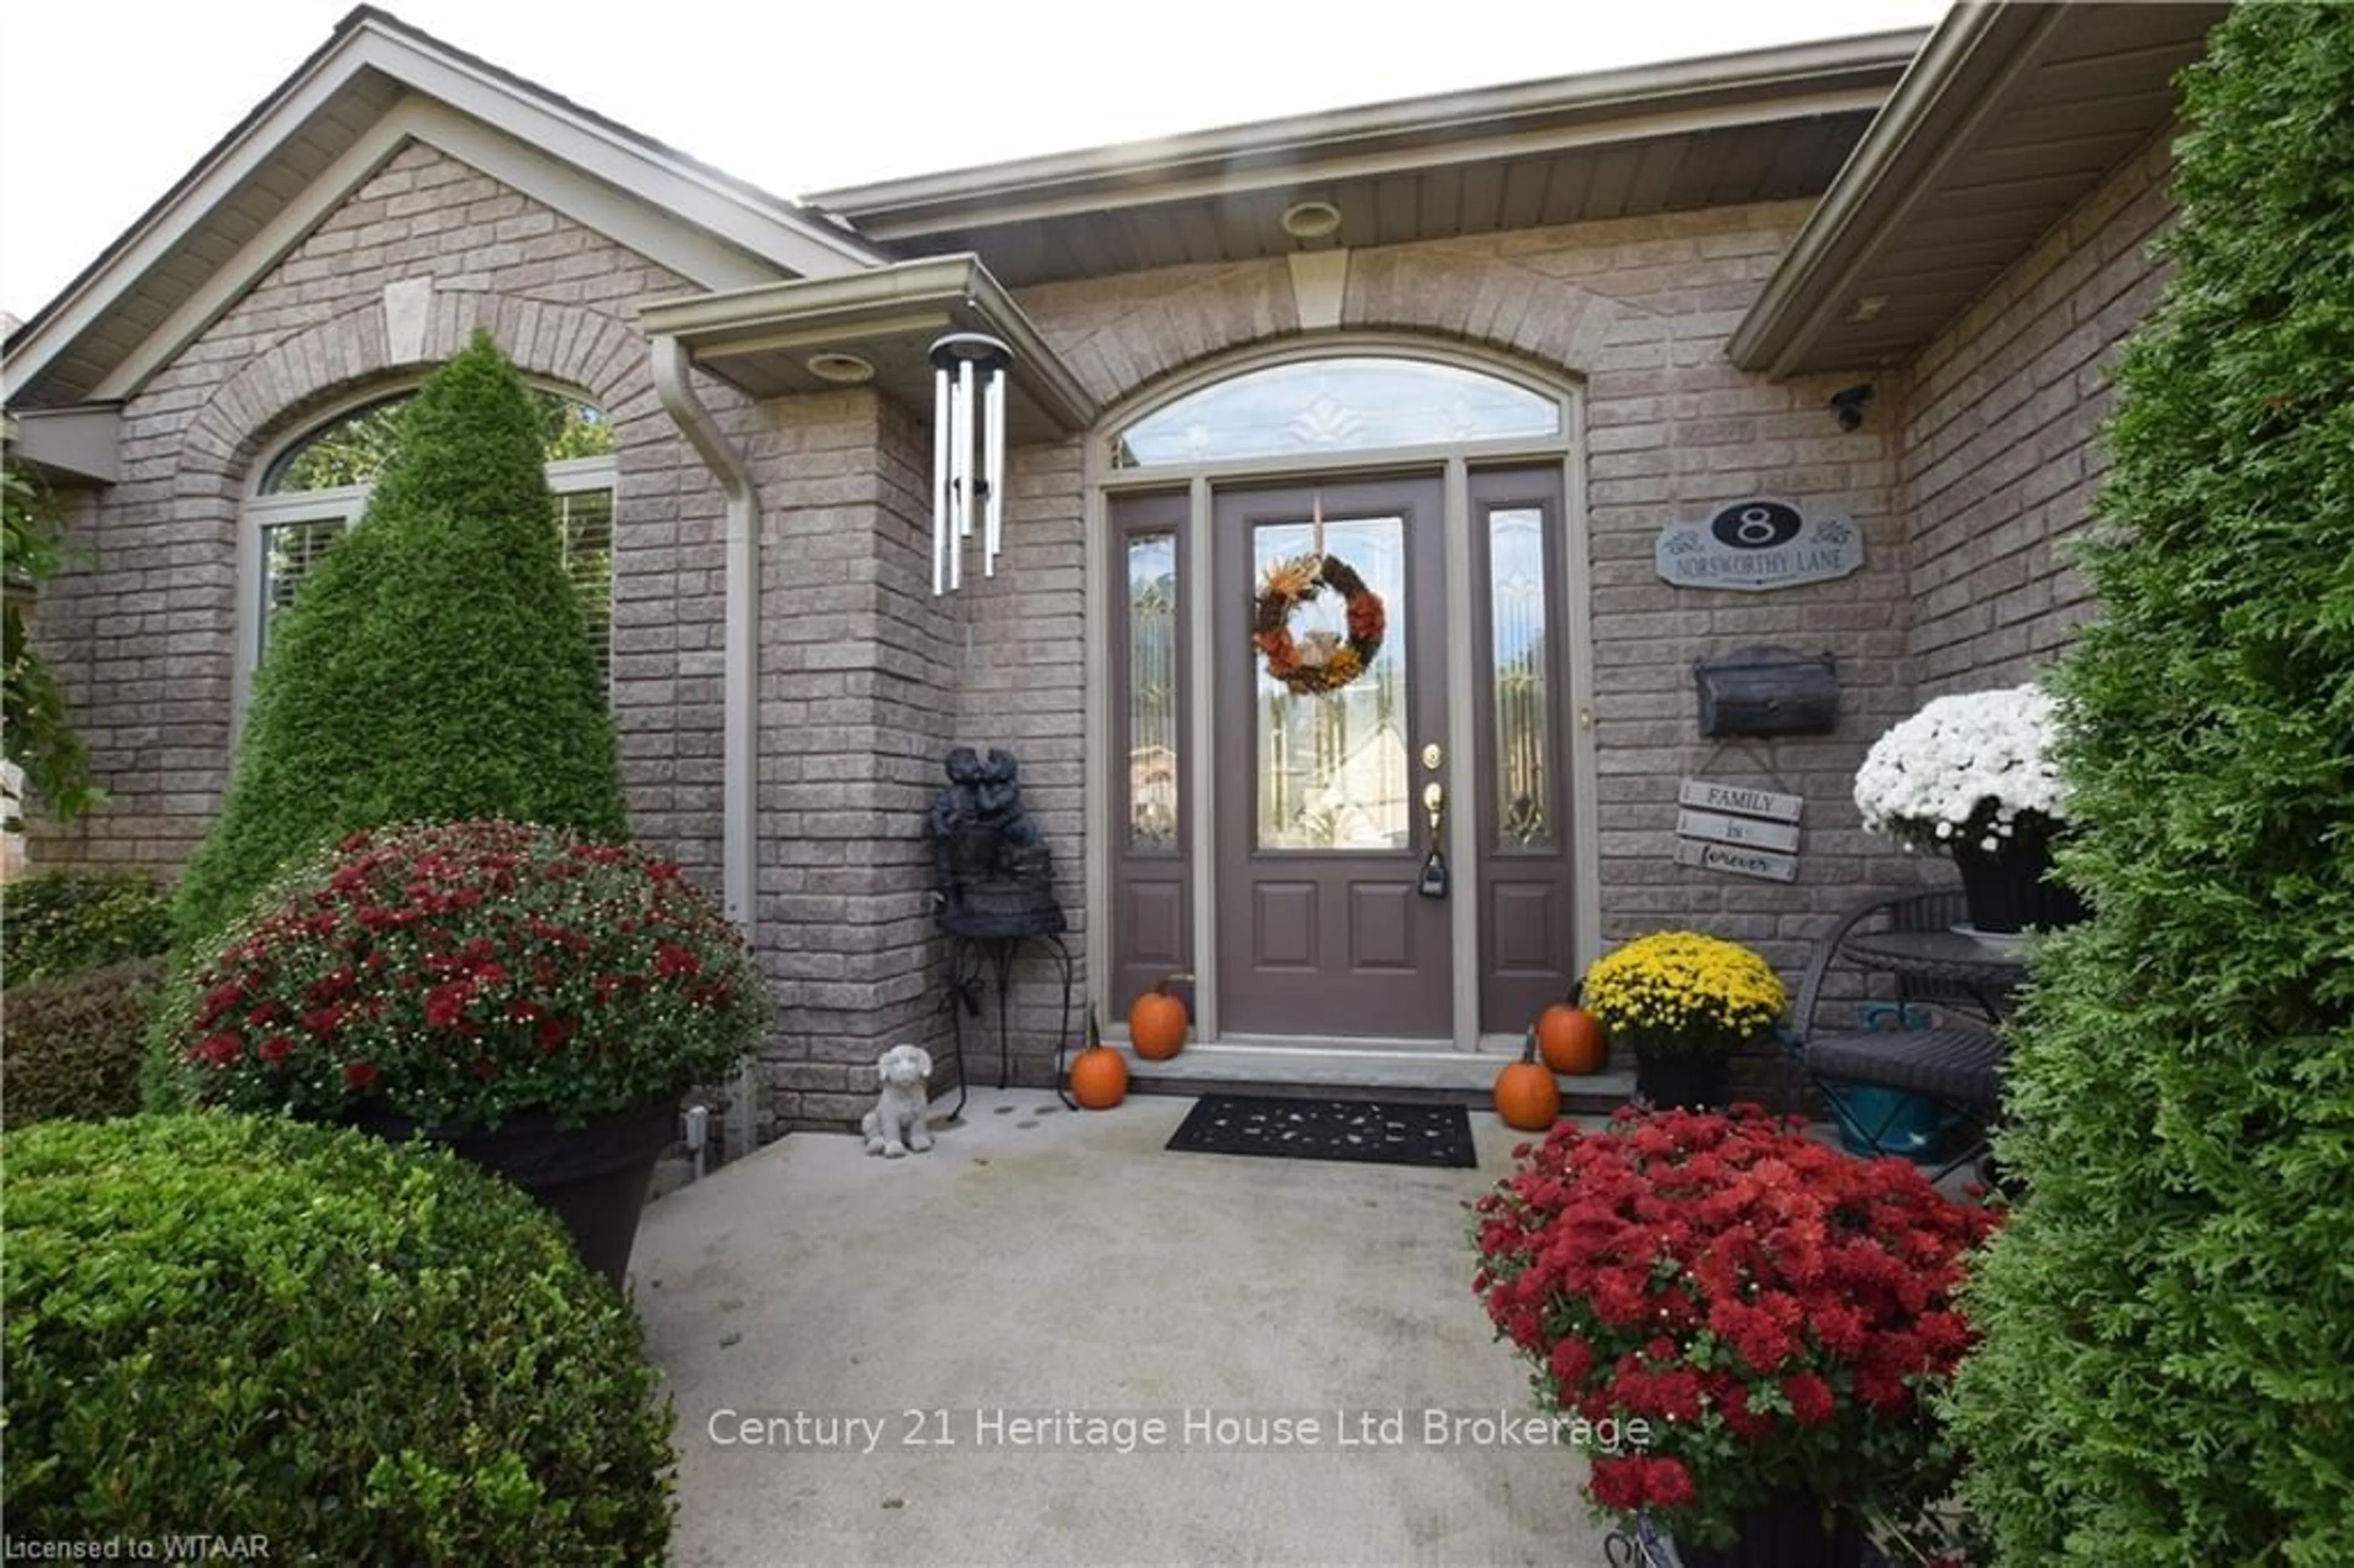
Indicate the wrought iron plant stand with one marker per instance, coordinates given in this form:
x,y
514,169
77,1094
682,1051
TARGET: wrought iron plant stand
x,y
993,891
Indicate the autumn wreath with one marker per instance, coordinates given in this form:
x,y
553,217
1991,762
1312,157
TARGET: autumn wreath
x,y
1321,660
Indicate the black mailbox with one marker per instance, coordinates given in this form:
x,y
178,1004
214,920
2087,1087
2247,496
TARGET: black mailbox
x,y
1767,690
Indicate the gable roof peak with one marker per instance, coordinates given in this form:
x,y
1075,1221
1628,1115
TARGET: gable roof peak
x,y
374,85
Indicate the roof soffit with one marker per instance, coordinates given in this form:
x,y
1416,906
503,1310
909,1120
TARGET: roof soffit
x,y
761,340
2012,115
1461,128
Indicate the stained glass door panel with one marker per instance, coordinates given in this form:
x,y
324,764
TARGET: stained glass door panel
x,y
1518,610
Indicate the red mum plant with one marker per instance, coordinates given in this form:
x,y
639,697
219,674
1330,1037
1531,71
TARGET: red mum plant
x,y
1778,1316
458,974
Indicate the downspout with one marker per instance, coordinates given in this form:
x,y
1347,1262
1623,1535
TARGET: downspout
x,y
740,700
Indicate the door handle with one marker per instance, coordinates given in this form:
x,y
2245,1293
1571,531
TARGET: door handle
x,y
1432,883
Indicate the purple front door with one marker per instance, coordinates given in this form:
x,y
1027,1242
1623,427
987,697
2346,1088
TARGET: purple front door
x,y
1326,924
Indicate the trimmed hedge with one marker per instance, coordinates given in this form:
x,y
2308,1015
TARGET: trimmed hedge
x,y
75,1047
59,921
370,1355
2167,1376
434,668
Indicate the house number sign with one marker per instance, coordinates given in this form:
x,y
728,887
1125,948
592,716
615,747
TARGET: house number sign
x,y
1758,543
1738,830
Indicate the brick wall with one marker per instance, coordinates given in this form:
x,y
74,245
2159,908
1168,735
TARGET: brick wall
x,y
856,709
866,679
146,637
1021,684
1637,312
2001,457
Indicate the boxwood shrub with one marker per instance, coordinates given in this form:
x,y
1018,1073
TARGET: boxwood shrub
x,y
368,1355
59,921
74,1046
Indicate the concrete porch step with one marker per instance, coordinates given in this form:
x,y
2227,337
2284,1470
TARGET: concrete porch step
x,y
1451,1077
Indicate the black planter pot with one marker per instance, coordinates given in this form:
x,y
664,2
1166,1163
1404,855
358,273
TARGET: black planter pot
x,y
2011,888
1680,1082
593,1179
1785,1532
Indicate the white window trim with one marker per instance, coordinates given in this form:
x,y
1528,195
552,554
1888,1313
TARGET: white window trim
x,y
1214,380
347,505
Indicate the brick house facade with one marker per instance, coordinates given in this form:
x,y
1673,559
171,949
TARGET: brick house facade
x,y
784,680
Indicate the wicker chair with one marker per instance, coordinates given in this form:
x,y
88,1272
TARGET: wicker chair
x,y
1957,1063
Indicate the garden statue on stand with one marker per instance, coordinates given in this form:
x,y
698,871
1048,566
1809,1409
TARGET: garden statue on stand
x,y
993,890
995,876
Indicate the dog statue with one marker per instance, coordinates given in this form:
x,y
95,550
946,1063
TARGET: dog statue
x,y
895,1126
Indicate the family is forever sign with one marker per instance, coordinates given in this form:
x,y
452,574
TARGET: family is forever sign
x,y
1737,830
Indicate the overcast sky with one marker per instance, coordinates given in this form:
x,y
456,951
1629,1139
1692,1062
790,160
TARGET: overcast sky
x,y
107,102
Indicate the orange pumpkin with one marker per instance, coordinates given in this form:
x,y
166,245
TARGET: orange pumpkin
x,y
1099,1073
1570,1039
1526,1095
1156,1022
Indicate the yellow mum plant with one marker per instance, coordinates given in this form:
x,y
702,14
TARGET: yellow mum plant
x,y
1679,993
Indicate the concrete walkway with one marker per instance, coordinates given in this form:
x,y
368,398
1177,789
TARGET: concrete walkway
x,y
854,1344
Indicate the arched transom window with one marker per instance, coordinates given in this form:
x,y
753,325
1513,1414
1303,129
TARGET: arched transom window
x,y
1357,404
319,486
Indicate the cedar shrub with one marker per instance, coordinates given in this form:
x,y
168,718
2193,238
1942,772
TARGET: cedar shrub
x,y
2166,1374
434,667
370,1355
35,733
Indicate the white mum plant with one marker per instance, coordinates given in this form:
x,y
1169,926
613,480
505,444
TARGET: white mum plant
x,y
1968,766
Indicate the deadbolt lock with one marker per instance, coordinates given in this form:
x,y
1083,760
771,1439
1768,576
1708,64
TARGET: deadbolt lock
x,y
1432,756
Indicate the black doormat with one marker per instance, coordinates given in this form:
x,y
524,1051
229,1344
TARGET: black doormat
x,y
1376,1132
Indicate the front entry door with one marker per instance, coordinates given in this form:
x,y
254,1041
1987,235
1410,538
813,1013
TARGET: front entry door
x,y
1323,927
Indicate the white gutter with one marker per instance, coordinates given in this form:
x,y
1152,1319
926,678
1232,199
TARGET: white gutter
x,y
740,693
739,703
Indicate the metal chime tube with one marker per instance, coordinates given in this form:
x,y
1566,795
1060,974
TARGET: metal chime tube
x,y
942,541
961,467
969,387
965,495
994,471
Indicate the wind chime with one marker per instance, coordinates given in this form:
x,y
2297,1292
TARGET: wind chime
x,y
968,386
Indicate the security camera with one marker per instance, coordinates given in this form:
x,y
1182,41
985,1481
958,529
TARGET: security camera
x,y
1847,404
